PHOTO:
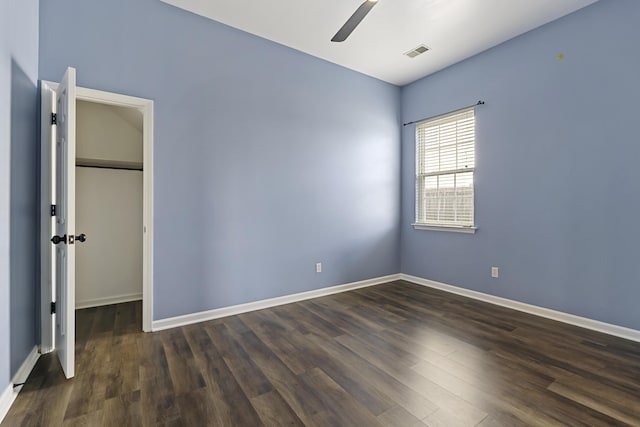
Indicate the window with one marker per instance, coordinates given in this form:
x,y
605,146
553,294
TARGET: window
x,y
445,166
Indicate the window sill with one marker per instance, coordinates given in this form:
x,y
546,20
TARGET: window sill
x,y
453,229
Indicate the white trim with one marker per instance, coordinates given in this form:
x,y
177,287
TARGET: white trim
x,y
97,302
6,400
46,323
102,97
10,393
203,316
571,319
468,230
146,107
147,215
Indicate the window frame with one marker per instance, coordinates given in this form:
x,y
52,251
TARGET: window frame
x,y
420,176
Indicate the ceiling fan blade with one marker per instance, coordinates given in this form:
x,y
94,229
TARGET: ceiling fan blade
x,y
354,20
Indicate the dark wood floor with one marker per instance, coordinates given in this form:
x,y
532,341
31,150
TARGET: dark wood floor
x,y
391,355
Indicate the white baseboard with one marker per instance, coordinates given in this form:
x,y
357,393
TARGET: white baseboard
x,y
583,322
97,302
203,316
9,395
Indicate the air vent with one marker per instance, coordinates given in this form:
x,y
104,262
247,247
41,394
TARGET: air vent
x,y
417,51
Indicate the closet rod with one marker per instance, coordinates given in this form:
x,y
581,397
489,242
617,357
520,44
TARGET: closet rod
x,y
110,167
444,114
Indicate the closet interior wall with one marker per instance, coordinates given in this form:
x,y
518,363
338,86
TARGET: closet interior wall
x,y
109,194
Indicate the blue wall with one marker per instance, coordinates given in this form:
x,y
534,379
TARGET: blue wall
x,y
267,160
24,218
18,184
557,196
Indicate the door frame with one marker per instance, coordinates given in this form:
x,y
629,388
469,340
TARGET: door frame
x,y
145,106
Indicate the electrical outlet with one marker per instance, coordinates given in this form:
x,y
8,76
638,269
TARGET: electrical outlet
x,y
495,272
318,267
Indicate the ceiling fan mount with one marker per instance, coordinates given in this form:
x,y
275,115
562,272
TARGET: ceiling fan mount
x,y
354,20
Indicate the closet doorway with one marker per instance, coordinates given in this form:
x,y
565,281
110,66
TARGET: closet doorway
x,y
112,161
109,167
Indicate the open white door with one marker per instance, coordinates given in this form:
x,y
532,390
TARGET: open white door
x,y
47,153
65,237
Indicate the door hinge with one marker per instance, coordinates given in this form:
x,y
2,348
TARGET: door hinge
x,y
53,307
53,210
54,119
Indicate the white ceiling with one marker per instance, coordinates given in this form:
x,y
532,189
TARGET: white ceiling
x,y
453,29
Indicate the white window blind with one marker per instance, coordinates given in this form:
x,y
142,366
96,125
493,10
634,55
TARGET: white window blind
x,y
445,166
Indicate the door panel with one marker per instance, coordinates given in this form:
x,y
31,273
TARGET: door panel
x,y
65,220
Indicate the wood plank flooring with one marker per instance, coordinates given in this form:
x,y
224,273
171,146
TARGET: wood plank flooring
x,y
396,354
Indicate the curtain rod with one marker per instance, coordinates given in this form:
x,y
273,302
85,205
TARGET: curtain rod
x,y
444,114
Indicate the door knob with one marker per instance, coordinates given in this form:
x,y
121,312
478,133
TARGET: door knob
x,y
63,239
59,239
